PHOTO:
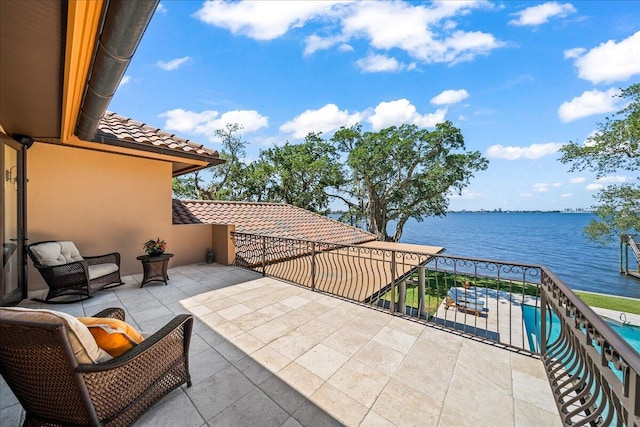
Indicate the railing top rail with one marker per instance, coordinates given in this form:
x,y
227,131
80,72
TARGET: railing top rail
x,y
433,255
621,346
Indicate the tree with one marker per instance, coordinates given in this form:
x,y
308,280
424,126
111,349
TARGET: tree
x,y
403,172
614,147
225,180
297,174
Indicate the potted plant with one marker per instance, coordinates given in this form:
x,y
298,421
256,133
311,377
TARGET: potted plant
x,y
155,247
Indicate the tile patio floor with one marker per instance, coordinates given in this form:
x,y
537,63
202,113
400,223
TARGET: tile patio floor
x,y
267,353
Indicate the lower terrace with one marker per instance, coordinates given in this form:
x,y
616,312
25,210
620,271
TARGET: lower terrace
x,y
269,353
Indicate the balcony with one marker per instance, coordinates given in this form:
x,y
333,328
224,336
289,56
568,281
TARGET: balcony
x,y
267,352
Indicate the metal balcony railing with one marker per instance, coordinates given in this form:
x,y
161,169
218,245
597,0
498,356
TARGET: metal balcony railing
x,y
594,374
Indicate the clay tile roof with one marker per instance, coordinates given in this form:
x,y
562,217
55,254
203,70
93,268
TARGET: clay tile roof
x,y
271,219
115,126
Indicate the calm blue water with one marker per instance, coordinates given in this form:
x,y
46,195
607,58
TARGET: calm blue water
x,y
551,239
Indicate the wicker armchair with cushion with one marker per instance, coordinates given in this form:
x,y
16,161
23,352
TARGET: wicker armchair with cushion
x,y
66,272
61,377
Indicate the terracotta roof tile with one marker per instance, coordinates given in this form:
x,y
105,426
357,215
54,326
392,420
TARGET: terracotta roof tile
x,y
123,128
271,219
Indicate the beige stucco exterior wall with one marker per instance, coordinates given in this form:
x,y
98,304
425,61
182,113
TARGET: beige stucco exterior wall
x,y
189,243
223,248
103,202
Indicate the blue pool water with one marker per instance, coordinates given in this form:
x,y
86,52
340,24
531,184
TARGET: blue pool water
x,y
531,316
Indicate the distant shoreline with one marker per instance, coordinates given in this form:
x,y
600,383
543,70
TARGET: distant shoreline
x,y
581,211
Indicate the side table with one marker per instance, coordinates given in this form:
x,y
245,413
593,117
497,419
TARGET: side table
x,y
155,268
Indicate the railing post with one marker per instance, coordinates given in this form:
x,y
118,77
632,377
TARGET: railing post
x,y
402,297
264,256
313,266
421,292
543,318
392,303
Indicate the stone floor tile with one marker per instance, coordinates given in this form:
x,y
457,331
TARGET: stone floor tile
x,y
403,405
295,302
275,310
310,415
407,326
346,341
359,382
270,359
254,409
217,392
395,339
322,361
380,357
375,420
528,415
205,364
228,330
283,394
11,415
254,371
177,410
241,346
292,345
534,391
270,331
300,379
291,422
483,400
341,406
235,311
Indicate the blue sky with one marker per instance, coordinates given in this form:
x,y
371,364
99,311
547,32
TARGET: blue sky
x,y
518,78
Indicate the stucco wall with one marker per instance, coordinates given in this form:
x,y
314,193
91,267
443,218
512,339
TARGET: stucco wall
x,y
103,202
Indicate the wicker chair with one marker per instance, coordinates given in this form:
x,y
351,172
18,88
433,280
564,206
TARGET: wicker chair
x,y
73,274
38,364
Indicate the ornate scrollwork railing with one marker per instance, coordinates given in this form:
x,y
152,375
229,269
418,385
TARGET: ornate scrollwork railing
x,y
593,372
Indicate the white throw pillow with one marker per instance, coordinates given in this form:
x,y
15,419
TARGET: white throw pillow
x,y
82,342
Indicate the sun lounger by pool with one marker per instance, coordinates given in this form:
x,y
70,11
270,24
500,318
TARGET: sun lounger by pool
x,y
465,300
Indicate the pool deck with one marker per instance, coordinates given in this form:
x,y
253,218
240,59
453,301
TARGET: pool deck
x,y
268,353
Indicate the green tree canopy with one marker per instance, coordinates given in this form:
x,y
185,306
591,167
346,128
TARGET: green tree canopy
x,y
404,172
225,181
297,174
614,147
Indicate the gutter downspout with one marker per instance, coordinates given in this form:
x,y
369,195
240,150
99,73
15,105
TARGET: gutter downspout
x,y
124,24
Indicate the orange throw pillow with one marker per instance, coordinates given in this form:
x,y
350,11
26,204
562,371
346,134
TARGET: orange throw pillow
x,y
112,335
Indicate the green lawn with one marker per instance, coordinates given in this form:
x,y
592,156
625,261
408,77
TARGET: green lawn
x,y
610,302
438,283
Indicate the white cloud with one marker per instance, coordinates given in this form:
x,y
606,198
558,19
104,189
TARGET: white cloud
x,y
401,111
589,103
425,33
556,184
449,97
537,15
174,64
374,63
262,20
566,195
124,81
326,119
609,62
593,187
577,180
533,151
207,122
541,187
612,179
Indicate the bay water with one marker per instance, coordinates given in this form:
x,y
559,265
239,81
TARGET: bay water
x,y
554,240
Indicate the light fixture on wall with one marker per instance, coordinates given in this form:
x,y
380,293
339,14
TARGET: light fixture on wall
x,y
11,178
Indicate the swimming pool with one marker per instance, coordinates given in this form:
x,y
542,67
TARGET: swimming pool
x,y
531,317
